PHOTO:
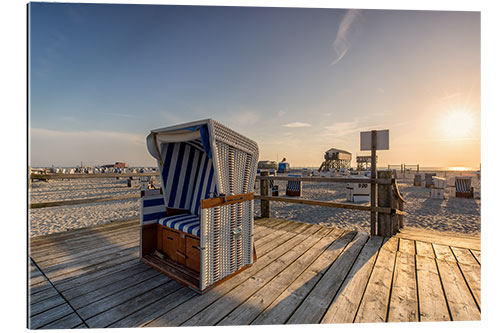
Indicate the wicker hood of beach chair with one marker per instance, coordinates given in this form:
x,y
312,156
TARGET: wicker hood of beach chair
x,y
207,175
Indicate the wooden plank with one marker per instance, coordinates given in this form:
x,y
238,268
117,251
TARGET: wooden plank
x,y
66,251
82,233
83,256
46,304
41,295
278,312
155,309
223,306
226,200
472,274
464,256
115,299
459,298
53,269
374,305
315,305
37,205
183,312
344,306
424,249
407,246
256,303
432,302
97,240
70,321
442,238
72,269
48,176
328,179
384,210
120,311
79,300
443,252
110,266
49,316
477,255
403,304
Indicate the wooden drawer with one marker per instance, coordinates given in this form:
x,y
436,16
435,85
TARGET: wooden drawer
x,y
174,246
193,253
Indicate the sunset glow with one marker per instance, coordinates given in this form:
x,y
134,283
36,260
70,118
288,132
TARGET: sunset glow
x,y
458,124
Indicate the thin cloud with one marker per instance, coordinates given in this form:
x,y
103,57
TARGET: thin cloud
x,y
341,44
451,96
119,115
296,124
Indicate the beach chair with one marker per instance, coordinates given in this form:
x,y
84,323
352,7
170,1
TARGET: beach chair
x,y
274,189
463,188
428,179
198,228
294,187
417,181
438,187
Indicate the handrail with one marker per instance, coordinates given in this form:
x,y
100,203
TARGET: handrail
x,y
90,175
330,179
384,210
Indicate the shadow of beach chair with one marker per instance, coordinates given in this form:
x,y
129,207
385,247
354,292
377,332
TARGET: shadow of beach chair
x,y
198,227
463,187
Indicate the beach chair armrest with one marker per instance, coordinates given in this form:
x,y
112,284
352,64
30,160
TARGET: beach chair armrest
x,y
226,200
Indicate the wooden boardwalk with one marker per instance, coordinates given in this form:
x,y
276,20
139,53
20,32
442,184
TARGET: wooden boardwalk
x,y
304,274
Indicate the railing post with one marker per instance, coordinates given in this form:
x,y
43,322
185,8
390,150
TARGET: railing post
x,y
373,186
265,205
384,199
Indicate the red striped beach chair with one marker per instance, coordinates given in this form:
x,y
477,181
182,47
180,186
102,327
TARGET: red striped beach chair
x,y
198,228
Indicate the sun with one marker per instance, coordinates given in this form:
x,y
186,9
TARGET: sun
x,y
458,124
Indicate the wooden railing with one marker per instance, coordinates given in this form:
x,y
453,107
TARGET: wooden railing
x,y
388,206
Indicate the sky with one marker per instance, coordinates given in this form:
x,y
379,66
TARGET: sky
x,y
298,81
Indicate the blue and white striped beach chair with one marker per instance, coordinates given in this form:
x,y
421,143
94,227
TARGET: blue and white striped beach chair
x,y
202,218
294,187
463,187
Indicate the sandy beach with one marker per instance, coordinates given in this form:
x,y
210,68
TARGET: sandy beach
x,y
452,214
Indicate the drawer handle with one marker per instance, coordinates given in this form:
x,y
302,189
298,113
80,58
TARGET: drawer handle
x,y
180,254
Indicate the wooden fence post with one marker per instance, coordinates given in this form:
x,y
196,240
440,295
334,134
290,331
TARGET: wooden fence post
x,y
265,205
373,186
385,199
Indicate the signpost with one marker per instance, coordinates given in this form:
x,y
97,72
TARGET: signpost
x,y
373,140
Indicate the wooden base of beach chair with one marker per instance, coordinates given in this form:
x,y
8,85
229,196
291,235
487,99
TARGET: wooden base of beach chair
x,y
292,193
177,255
464,194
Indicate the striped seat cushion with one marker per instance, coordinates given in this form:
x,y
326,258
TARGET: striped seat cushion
x,y
187,223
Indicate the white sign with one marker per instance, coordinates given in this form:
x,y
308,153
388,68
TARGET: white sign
x,y
382,140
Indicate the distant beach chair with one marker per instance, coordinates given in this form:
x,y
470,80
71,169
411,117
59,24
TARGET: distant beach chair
x,y
438,188
428,179
294,187
274,189
198,227
463,187
417,181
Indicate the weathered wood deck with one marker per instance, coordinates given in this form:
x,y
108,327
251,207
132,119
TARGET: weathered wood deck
x,y
305,273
